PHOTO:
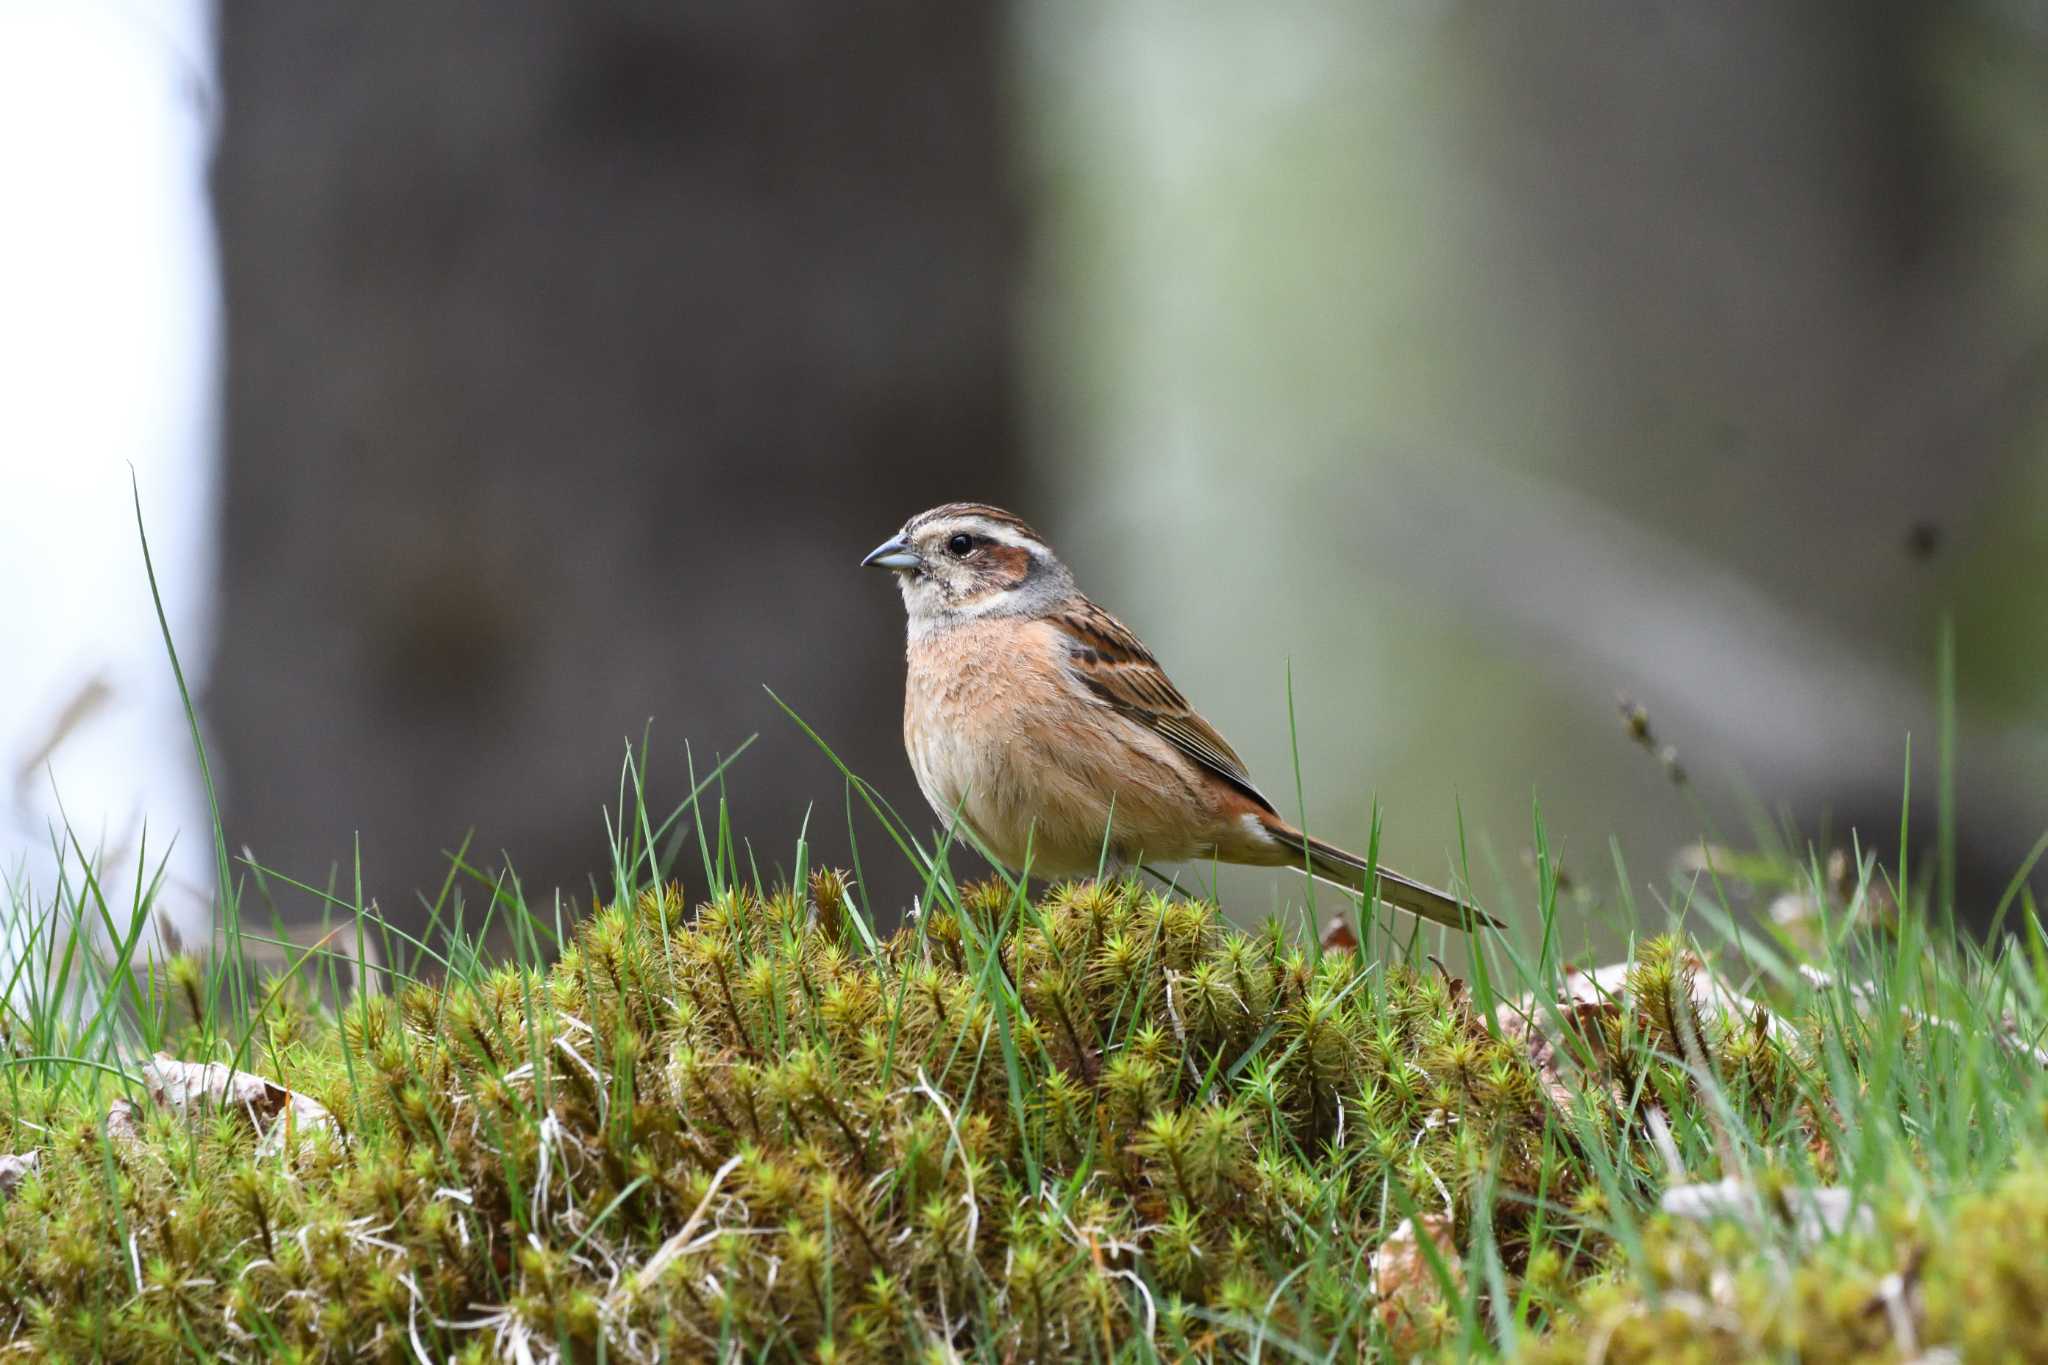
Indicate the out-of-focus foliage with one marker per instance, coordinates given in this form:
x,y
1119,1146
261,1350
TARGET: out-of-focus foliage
x,y
1482,362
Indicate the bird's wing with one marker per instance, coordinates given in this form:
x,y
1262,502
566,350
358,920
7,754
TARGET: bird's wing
x,y
1114,666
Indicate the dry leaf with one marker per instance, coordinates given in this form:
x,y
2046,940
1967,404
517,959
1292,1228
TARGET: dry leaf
x,y
1587,1004
1587,1021
1814,1214
1457,986
277,1114
1404,1284
1542,1055
1587,1001
17,1167
1594,986
1608,986
124,1123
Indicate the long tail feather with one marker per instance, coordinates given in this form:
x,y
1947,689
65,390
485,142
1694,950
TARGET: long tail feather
x,y
1348,870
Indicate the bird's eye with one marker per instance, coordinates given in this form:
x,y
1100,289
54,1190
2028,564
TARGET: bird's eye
x,y
960,546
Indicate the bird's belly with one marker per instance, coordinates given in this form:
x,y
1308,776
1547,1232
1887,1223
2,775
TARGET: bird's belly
x,y
980,776
1037,779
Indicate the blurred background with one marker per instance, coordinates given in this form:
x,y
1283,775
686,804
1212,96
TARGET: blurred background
x,y
521,375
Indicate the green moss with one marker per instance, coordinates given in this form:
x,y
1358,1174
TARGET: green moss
x,y
740,1125
1973,1281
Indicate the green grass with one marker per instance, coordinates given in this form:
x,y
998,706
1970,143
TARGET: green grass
x,y
1096,1123
752,1120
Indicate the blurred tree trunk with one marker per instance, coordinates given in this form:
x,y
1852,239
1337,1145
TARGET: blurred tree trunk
x,y
576,353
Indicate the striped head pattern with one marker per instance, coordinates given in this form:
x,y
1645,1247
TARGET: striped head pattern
x,y
968,560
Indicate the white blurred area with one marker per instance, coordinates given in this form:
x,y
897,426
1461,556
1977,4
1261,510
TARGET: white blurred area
x,y
109,345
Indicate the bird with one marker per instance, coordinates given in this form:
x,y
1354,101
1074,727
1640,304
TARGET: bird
x,y
1043,725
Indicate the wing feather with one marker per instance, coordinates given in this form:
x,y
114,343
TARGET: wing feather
x,y
1114,666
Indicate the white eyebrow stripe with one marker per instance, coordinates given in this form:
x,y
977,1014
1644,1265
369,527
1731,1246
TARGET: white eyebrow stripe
x,y
1000,534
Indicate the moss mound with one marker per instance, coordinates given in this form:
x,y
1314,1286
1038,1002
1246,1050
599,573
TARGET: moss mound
x,y
1012,1130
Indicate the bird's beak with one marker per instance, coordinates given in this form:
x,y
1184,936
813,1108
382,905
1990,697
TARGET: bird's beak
x,y
894,553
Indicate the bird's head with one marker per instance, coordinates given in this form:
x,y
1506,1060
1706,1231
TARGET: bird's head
x,y
967,560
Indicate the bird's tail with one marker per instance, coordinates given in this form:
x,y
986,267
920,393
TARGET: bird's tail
x,y
1348,870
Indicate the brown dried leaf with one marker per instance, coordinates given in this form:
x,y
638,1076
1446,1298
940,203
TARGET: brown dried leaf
x,y
1542,1055
1814,1213
1549,1057
1711,994
1405,1285
16,1167
277,1114
1457,986
190,1086
1587,1022
1607,986
1589,1003
1595,985
124,1123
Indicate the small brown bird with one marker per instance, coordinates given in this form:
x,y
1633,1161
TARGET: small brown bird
x,y
1056,737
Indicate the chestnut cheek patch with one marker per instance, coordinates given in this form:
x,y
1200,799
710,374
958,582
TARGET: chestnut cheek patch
x,y
1008,565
